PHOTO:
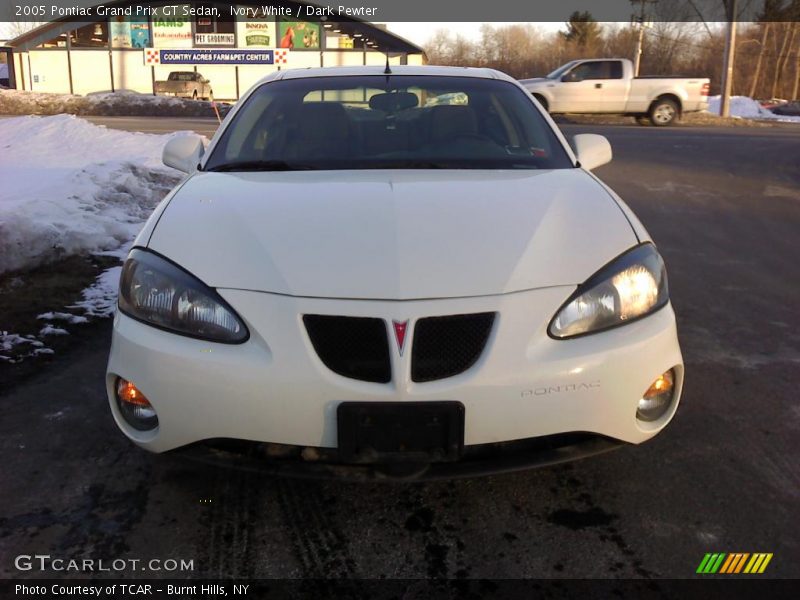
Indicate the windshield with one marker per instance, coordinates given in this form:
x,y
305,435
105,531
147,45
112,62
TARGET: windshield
x,y
181,76
561,70
387,122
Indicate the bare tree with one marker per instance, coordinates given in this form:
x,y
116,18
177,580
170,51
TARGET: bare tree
x,y
796,75
789,32
18,28
761,51
672,47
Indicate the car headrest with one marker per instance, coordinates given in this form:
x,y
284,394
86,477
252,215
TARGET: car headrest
x,y
323,120
448,122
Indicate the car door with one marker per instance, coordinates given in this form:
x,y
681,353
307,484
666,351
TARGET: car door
x,y
613,87
593,86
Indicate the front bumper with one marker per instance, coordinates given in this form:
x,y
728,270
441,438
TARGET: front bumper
x,y
275,389
321,463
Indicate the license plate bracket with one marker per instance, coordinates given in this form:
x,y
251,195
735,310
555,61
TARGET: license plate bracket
x,y
391,432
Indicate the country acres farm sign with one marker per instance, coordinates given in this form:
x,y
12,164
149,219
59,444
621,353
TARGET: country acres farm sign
x,y
153,56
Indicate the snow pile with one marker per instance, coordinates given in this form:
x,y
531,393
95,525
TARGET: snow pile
x,y
100,299
68,317
9,340
747,108
122,102
70,187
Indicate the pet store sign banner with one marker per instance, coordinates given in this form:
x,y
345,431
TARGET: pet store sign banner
x,y
256,33
215,57
171,31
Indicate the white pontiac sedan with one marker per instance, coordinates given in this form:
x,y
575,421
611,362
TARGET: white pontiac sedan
x,y
392,273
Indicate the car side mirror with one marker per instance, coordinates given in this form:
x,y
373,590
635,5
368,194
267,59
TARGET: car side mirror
x,y
183,152
571,77
592,150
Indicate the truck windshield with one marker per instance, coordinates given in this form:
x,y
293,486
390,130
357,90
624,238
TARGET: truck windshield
x,y
387,122
176,76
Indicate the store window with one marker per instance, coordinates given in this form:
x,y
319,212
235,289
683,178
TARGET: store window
x,y
59,41
91,36
210,30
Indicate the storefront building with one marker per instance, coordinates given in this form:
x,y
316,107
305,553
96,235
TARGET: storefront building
x,y
135,44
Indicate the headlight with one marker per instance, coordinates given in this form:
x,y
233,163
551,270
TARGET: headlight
x,y
629,287
155,291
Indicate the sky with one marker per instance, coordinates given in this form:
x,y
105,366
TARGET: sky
x,y
420,33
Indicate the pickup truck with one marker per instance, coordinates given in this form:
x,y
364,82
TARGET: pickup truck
x,y
608,86
185,84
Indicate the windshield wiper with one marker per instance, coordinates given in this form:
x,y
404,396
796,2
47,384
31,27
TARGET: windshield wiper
x,y
261,165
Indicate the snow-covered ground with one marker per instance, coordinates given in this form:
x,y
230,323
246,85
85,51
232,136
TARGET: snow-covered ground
x,y
121,102
747,108
68,187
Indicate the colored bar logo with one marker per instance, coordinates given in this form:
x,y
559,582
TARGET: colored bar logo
x,y
734,563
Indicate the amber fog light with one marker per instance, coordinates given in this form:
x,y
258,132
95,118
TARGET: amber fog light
x,y
134,406
657,398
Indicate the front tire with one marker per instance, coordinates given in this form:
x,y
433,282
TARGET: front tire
x,y
663,112
643,120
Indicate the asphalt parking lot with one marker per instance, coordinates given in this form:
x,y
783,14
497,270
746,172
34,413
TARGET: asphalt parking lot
x,y
723,206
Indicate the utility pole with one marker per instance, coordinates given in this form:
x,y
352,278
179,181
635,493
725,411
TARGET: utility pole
x,y
638,58
727,66
641,20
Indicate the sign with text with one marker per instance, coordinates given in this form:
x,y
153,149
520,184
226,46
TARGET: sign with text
x,y
171,31
214,39
256,32
215,57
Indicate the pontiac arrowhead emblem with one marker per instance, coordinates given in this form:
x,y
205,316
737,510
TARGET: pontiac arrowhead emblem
x,y
400,328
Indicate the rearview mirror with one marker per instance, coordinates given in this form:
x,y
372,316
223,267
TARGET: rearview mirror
x,y
393,101
571,77
183,152
592,150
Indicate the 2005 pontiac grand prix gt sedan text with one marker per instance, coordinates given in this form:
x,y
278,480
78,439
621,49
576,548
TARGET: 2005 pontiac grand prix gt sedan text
x,y
392,274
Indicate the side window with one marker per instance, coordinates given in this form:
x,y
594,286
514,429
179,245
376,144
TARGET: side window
x,y
580,72
600,69
589,70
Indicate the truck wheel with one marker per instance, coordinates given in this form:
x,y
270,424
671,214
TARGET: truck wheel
x,y
663,112
643,120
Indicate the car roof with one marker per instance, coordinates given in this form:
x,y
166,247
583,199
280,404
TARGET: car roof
x,y
429,70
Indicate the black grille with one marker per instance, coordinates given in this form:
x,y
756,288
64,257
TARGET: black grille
x,y
447,346
354,347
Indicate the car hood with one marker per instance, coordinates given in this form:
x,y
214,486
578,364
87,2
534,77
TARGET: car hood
x,y
392,234
533,80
